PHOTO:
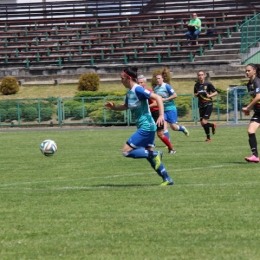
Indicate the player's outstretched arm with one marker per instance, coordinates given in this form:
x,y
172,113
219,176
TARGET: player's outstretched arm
x,y
113,106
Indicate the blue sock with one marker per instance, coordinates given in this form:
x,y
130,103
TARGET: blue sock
x,y
138,153
149,155
161,171
141,153
167,134
181,128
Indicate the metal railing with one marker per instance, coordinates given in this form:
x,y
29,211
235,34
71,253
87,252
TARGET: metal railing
x,y
250,37
90,110
86,8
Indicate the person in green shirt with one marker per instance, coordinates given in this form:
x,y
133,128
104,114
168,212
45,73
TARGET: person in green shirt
x,y
194,27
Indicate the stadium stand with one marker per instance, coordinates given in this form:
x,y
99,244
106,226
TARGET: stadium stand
x,y
78,33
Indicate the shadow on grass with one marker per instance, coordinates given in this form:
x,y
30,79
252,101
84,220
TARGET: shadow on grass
x,y
238,162
124,185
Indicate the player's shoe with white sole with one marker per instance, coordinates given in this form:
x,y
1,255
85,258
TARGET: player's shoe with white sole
x,y
252,158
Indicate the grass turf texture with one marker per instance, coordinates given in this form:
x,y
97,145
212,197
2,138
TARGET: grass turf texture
x,y
89,202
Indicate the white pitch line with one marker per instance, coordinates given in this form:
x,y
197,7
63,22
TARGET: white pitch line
x,y
103,177
178,185
113,187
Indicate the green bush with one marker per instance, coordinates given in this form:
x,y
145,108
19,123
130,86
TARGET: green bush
x,y
8,104
70,104
50,103
222,97
67,112
97,115
183,109
30,113
46,113
9,85
12,113
3,114
77,112
89,81
183,104
95,105
99,93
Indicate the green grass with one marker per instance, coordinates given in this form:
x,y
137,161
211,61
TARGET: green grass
x,y
89,202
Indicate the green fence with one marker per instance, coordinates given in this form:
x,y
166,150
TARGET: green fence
x,y
250,37
90,110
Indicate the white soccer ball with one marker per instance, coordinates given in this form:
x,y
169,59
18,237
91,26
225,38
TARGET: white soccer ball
x,y
48,147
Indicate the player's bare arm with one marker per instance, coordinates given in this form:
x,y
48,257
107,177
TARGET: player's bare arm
x,y
170,97
252,103
113,106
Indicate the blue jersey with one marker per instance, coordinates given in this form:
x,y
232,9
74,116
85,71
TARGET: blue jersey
x,y
165,91
137,101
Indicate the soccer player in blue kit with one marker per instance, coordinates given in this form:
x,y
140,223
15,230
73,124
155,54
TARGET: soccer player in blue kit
x,y
141,143
253,87
170,111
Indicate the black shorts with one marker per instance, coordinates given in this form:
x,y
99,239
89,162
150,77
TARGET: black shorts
x,y
155,116
205,112
255,117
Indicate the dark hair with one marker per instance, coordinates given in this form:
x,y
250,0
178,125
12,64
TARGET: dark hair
x,y
256,67
131,72
200,71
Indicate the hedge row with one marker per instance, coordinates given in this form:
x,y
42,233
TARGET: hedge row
x,y
88,104
28,111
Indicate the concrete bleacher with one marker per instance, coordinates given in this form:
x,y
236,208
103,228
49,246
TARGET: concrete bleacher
x,y
144,38
136,39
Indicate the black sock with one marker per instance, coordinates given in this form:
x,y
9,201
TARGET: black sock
x,y
253,144
206,129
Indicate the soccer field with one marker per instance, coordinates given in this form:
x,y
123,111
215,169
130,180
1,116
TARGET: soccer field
x,y
90,202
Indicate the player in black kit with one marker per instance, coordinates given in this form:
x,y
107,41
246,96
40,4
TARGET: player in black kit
x,y
253,87
204,91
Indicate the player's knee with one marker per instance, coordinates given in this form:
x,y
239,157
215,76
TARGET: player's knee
x,y
160,134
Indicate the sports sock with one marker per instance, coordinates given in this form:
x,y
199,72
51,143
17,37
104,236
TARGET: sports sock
x,y
161,171
181,128
167,142
253,144
138,153
206,129
149,155
167,134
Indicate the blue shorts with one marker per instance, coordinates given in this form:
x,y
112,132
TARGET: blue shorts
x,y
141,138
171,116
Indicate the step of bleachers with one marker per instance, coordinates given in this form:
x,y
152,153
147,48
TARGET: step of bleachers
x,y
122,39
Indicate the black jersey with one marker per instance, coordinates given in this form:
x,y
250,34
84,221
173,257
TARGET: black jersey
x,y
203,89
254,89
